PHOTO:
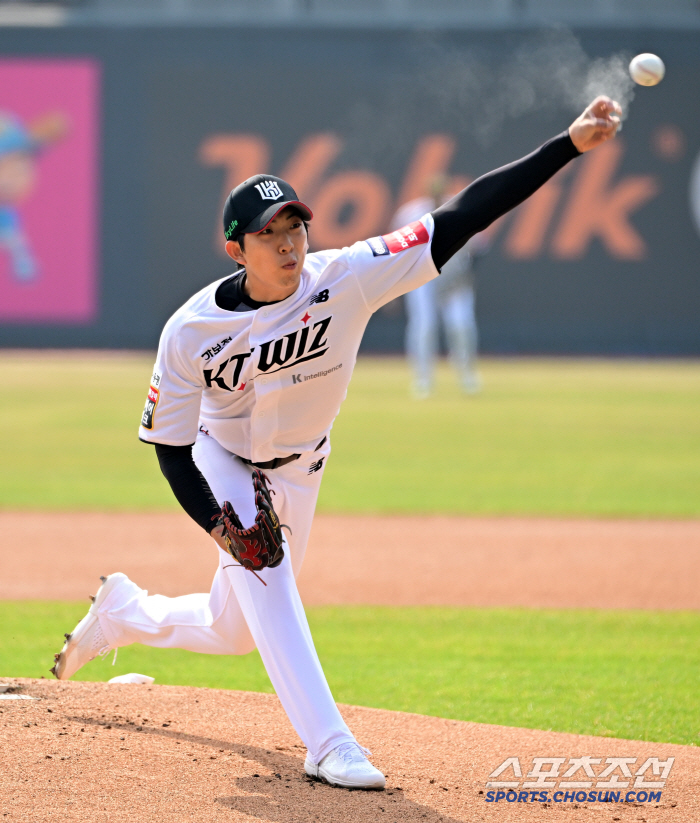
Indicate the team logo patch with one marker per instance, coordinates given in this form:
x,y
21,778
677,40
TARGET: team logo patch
x,y
378,246
269,190
150,409
415,234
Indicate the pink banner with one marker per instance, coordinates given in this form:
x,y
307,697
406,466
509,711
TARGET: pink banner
x,y
49,154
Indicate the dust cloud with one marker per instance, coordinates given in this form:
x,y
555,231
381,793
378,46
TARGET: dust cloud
x,y
468,91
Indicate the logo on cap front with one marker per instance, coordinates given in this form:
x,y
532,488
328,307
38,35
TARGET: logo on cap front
x,y
269,190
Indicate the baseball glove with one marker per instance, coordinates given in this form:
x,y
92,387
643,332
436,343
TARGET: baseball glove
x,y
260,546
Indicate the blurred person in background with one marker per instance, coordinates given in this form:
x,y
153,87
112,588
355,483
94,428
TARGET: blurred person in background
x,y
450,296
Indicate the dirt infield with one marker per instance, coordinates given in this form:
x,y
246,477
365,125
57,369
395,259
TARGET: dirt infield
x,y
100,752
537,562
103,752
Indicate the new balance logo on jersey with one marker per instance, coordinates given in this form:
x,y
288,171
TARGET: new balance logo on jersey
x,y
321,297
269,190
317,466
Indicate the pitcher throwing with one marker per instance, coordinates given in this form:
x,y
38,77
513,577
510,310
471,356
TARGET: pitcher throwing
x,y
249,377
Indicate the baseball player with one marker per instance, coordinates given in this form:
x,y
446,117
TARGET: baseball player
x,y
249,376
450,296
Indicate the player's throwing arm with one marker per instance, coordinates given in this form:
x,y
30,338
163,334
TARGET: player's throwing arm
x,y
496,193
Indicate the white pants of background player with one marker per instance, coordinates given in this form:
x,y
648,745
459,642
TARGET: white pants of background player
x,y
424,307
240,613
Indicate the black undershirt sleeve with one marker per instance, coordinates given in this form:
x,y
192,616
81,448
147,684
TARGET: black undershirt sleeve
x,y
494,194
188,484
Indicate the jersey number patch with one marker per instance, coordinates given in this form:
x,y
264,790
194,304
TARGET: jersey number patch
x,y
415,234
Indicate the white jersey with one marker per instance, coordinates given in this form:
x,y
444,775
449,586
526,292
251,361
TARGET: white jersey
x,y
457,272
269,383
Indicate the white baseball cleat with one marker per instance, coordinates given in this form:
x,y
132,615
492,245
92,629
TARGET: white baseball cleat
x,y
87,640
348,767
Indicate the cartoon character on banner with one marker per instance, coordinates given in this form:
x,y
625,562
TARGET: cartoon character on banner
x,y
19,148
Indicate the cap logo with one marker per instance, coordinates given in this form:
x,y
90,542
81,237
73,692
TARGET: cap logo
x,y
231,226
269,190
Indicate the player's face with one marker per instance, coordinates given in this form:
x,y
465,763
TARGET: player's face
x,y
273,258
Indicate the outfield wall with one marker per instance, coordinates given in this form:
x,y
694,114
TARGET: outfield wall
x,y
141,131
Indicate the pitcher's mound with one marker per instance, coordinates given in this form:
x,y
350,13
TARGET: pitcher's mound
x,y
100,752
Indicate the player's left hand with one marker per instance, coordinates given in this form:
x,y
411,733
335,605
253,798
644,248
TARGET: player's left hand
x,y
598,123
260,546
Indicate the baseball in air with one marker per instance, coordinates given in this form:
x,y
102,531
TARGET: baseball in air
x,y
647,69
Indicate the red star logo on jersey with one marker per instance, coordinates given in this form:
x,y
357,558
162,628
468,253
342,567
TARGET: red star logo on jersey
x,y
305,319
241,387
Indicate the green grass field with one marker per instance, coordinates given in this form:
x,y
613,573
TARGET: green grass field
x,y
610,673
546,436
565,437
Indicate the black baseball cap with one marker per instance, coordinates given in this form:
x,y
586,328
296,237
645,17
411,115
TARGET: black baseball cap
x,y
255,203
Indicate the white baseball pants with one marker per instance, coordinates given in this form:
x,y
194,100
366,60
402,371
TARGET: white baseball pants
x,y
240,613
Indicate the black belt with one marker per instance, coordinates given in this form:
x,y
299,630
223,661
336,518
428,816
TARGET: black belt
x,y
272,464
278,462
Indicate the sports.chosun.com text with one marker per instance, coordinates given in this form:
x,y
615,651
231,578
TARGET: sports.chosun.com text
x,y
512,796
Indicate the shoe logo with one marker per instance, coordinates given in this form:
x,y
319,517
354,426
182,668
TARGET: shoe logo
x,y
269,190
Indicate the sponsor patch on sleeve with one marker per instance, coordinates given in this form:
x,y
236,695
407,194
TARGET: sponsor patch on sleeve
x,y
378,246
415,234
151,403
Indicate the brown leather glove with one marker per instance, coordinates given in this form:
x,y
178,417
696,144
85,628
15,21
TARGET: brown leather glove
x,y
260,546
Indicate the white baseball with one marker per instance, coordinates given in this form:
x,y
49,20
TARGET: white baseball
x,y
647,69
